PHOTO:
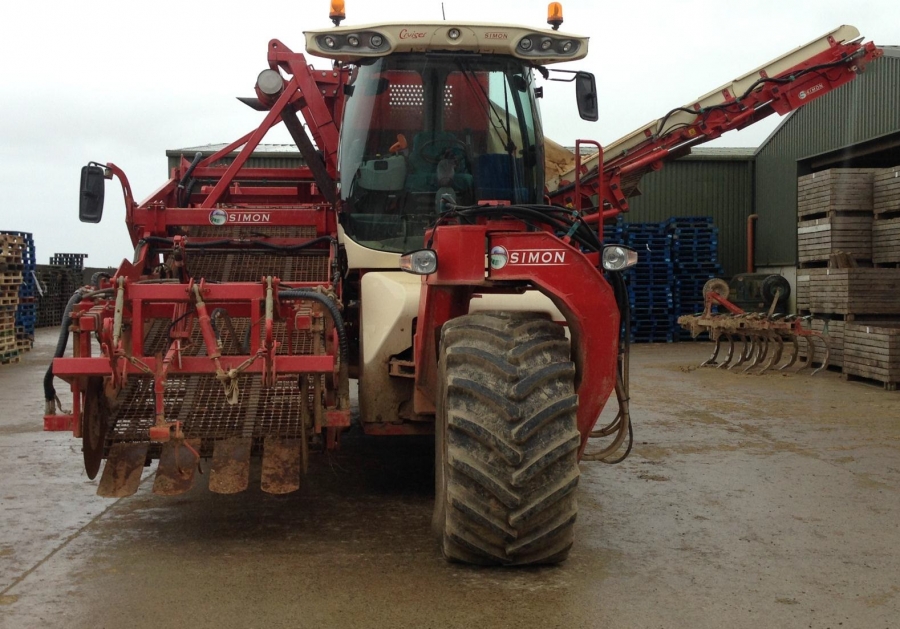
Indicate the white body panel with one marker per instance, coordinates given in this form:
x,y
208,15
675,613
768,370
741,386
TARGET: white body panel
x,y
389,303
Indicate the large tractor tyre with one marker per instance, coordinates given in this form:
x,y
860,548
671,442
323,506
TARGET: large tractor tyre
x,y
507,440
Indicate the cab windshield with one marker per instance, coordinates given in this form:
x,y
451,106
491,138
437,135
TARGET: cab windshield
x,y
419,129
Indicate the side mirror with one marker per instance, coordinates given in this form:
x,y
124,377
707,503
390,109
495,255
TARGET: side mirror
x,y
586,95
90,200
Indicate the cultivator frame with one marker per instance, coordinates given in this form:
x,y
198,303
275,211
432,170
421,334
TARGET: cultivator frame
x,y
763,334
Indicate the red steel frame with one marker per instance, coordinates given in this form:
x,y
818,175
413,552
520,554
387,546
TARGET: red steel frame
x,y
780,94
318,96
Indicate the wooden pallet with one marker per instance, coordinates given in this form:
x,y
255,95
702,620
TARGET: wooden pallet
x,y
886,190
838,189
818,239
860,291
872,351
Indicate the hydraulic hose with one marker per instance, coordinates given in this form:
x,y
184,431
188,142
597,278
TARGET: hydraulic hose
x,y
49,391
332,308
80,294
96,277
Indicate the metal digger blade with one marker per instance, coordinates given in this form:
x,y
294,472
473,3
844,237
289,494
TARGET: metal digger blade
x,y
122,474
282,460
230,469
177,466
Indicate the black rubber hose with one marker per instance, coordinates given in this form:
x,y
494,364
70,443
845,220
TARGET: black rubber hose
x,y
335,316
95,278
49,391
184,186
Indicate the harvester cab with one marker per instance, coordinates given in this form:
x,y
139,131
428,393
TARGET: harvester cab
x,y
438,114
256,293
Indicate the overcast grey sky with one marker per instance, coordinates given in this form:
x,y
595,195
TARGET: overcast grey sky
x,y
125,81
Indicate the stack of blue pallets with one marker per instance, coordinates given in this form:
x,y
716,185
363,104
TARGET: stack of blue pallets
x,y
675,259
650,283
695,259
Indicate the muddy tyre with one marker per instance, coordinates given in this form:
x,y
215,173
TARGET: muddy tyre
x,y
507,440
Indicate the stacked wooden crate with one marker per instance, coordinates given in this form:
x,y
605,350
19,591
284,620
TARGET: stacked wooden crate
x,y
872,351
834,209
886,226
849,267
10,280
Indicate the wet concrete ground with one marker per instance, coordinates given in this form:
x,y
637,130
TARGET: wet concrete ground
x,y
750,501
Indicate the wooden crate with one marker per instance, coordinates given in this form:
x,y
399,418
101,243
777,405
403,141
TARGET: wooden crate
x,y
835,333
886,190
838,189
858,291
873,351
886,240
817,239
804,278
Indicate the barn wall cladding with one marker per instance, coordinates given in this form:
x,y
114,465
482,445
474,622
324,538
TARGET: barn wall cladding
x,y
715,182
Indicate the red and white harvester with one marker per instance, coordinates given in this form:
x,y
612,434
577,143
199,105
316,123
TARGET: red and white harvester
x,y
434,246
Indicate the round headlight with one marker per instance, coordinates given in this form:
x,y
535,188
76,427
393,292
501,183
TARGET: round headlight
x,y
353,40
270,82
330,42
567,46
453,33
526,44
618,258
546,43
376,41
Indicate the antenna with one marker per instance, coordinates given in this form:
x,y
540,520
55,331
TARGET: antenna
x,y
443,14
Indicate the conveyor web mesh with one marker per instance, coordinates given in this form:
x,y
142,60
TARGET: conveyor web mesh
x,y
198,401
249,266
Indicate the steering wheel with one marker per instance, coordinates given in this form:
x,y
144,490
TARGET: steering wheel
x,y
455,143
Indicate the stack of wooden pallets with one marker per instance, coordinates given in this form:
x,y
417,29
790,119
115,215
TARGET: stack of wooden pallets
x,y
11,248
886,226
849,266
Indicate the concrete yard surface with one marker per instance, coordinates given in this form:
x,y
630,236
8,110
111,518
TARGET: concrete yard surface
x,y
749,501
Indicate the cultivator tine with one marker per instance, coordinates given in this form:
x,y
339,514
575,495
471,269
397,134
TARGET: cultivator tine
x,y
724,364
827,353
776,352
746,350
177,466
712,359
230,470
794,356
282,460
810,353
759,346
122,474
